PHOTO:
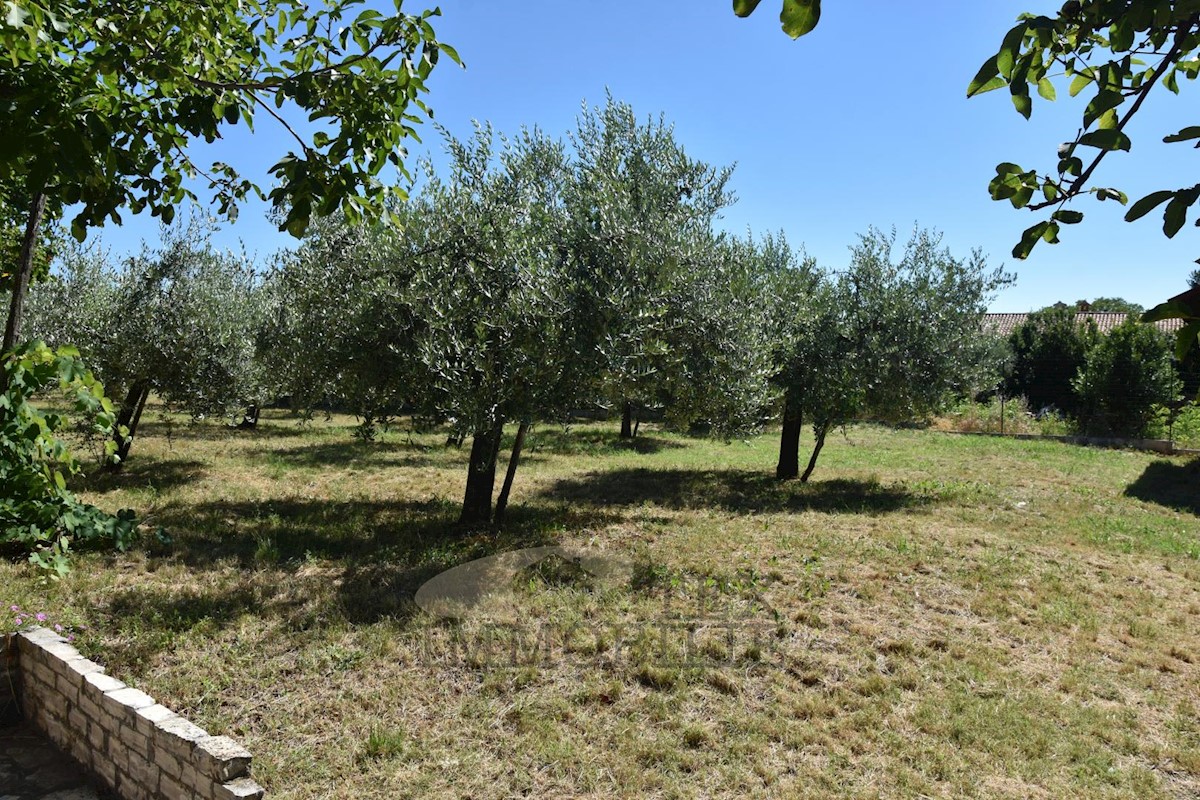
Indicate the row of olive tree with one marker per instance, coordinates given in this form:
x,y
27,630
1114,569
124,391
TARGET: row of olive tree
x,y
183,321
530,278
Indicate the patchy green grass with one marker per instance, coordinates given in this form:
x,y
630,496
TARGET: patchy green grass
x,y
933,615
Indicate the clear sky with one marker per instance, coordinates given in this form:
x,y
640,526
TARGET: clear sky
x,y
863,122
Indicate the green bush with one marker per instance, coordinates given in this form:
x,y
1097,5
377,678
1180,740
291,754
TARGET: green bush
x,y
37,512
1048,350
1125,376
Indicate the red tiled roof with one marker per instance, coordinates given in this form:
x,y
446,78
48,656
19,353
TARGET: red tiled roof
x,y
1004,324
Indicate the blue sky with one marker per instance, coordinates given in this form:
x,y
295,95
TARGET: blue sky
x,y
863,122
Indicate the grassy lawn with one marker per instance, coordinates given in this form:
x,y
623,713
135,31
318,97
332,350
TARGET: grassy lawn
x,y
934,615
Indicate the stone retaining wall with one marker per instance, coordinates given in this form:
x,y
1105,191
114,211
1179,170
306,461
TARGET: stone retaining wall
x,y
135,746
9,675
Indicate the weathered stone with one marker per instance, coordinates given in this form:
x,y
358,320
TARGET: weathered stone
x,y
240,789
148,717
221,758
123,703
97,684
168,762
144,774
171,789
178,736
54,654
137,743
32,638
97,736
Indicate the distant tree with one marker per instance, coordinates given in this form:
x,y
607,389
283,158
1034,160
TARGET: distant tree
x,y
180,321
719,365
341,332
1125,376
1049,348
1110,304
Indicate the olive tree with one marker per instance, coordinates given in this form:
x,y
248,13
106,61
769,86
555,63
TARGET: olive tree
x,y
180,320
892,339
637,206
494,334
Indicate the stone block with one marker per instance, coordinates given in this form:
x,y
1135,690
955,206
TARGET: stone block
x,y
97,684
90,708
77,721
178,737
148,718
106,769
240,789
123,703
171,789
97,737
53,654
144,774
30,640
70,687
137,742
168,762
221,758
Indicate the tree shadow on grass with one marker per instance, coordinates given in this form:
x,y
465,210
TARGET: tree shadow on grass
x,y
733,490
592,442
1170,484
151,618
382,551
351,453
141,474
214,431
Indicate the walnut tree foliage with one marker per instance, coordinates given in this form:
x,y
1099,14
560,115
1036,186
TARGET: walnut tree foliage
x,y
99,103
1116,54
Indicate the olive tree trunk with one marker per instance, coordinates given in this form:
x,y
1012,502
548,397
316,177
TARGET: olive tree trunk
x,y
627,420
820,431
481,477
129,417
513,460
789,438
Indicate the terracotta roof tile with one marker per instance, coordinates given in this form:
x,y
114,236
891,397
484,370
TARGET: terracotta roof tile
x,y
1004,324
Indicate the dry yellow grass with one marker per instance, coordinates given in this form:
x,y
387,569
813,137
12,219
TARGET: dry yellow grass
x,y
933,616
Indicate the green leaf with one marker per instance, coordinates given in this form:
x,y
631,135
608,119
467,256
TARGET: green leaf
x,y
1175,216
800,16
1023,104
1067,216
1188,133
1050,235
1106,140
1079,83
986,79
1030,238
744,8
1046,89
1147,204
1007,57
1103,101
